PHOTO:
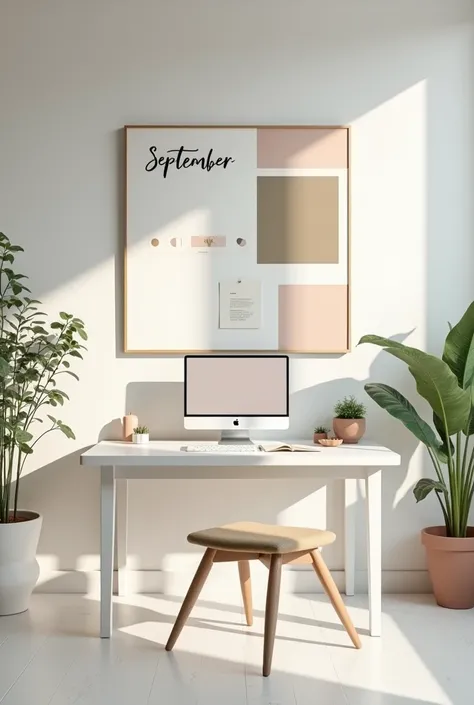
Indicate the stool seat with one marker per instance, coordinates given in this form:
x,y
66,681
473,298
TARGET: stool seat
x,y
252,537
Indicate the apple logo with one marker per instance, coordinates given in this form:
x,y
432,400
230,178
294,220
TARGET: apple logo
x,y
236,422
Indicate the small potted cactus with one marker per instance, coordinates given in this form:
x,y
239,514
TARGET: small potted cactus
x,y
320,432
141,434
349,421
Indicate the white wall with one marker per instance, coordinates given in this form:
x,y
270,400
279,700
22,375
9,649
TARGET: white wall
x,y
73,73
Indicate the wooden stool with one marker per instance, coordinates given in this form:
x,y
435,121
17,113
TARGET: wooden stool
x,y
274,546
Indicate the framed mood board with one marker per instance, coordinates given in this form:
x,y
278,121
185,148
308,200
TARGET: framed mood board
x,y
237,239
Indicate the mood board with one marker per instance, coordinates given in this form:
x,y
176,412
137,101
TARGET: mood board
x,y
237,239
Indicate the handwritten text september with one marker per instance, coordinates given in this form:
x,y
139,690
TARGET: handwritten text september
x,y
181,161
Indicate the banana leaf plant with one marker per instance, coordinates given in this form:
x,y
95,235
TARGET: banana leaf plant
x,y
33,356
447,384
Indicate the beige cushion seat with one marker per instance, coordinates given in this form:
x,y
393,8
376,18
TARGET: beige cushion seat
x,y
252,537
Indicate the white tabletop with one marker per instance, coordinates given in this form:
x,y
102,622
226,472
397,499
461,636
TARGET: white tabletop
x,y
173,453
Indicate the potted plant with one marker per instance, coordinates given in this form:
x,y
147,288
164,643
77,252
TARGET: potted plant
x,y
141,434
33,355
349,421
447,384
320,432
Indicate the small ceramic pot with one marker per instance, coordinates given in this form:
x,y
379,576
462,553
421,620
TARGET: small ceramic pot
x,y
318,436
350,430
451,567
141,437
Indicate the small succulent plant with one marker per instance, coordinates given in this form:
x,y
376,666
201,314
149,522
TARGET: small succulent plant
x,y
141,430
321,429
209,241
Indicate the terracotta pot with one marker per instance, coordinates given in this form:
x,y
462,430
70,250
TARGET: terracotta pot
x,y
451,567
317,436
350,430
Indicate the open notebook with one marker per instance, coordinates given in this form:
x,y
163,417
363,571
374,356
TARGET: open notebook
x,y
288,447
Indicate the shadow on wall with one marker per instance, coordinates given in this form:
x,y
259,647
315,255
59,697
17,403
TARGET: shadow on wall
x,y
62,490
160,405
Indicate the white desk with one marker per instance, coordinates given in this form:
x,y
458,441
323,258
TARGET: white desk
x,y
165,460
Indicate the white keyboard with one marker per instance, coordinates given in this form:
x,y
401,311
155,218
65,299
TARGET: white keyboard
x,y
224,448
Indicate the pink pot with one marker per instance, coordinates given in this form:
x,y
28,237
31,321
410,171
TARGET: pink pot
x,y
451,567
317,436
350,430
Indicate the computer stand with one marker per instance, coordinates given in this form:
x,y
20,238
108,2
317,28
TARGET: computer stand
x,y
240,437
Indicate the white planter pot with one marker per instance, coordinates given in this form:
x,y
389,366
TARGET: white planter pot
x,y
141,437
19,569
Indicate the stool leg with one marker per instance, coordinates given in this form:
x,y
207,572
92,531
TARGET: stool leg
x,y
246,587
271,611
191,596
330,587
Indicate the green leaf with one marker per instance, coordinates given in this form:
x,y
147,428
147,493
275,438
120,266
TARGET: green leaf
x,y
16,248
377,340
68,432
23,436
51,418
82,333
56,324
25,448
435,382
459,349
4,368
400,408
425,486
65,316
73,374
459,355
75,353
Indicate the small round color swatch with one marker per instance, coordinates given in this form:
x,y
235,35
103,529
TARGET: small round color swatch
x,y
155,242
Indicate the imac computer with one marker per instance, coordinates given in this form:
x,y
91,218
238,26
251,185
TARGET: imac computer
x,y
236,394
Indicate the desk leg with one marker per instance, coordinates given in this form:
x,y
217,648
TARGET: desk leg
x,y
107,530
373,486
121,523
350,501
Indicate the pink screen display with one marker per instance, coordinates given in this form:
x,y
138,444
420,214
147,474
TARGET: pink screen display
x,y
236,386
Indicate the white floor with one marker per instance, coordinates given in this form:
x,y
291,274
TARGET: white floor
x,y
52,655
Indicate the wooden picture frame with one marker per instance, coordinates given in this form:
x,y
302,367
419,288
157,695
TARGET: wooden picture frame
x,y
294,299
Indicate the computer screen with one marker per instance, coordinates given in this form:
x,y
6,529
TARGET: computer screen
x,y
236,385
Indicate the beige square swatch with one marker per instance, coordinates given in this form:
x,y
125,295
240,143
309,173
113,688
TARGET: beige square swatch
x,y
297,219
303,148
313,318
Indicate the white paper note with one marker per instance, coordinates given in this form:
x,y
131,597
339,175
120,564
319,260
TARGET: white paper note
x,y
240,304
